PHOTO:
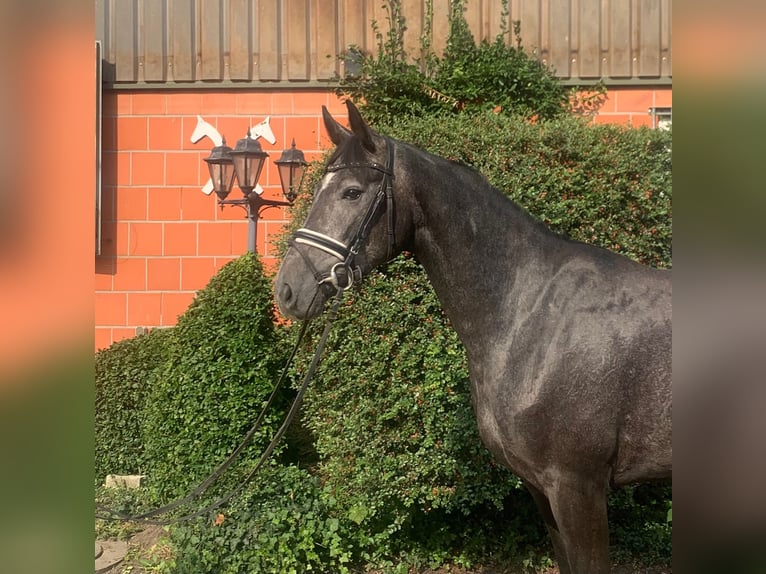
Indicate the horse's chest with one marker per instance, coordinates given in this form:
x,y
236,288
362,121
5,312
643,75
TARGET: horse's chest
x,y
522,419
500,419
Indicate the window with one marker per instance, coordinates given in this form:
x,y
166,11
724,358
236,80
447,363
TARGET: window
x,y
662,118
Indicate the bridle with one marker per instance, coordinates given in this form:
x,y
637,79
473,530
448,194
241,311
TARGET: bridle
x,y
346,253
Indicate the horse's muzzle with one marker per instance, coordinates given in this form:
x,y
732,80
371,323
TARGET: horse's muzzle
x,y
298,299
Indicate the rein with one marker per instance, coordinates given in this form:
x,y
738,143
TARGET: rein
x,y
346,253
146,517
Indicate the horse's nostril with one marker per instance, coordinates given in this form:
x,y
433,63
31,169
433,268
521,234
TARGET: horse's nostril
x,y
285,293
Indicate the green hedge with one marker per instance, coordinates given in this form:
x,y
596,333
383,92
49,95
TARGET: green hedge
x,y
224,361
400,453
281,524
174,402
402,477
608,185
124,377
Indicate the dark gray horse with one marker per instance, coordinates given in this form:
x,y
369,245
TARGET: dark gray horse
x,y
569,345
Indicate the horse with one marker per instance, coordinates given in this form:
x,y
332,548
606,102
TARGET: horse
x,y
568,344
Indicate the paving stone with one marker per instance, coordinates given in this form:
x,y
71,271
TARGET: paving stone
x,y
112,552
123,480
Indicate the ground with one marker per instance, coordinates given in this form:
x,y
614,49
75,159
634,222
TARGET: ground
x,y
148,547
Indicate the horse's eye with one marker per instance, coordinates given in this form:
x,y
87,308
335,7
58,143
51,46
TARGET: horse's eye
x,y
352,193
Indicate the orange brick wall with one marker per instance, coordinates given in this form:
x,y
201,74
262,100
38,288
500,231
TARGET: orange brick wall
x,y
630,106
162,238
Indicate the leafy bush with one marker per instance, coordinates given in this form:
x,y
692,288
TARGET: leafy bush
x,y
403,478
467,77
124,375
122,500
281,524
494,75
287,521
221,368
639,523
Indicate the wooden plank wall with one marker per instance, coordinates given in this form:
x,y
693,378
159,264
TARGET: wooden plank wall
x,y
210,42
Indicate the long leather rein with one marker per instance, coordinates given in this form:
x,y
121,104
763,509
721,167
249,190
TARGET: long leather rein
x,y
346,255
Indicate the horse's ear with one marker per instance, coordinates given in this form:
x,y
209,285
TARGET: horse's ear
x,y
338,134
359,127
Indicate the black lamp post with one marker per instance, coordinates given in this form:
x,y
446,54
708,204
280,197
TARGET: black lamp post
x,y
246,162
292,167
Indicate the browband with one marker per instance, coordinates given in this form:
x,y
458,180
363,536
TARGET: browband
x,y
371,165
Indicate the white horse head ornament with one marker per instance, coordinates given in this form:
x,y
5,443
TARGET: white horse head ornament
x,y
206,129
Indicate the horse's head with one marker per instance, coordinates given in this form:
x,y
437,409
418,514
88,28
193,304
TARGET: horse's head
x,y
263,129
350,227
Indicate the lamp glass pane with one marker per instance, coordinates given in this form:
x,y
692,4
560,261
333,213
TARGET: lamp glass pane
x,y
298,176
254,166
240,168
285,172
248,170
222,176
290,175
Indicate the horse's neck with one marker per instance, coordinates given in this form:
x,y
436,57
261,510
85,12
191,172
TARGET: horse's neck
x,y
474,244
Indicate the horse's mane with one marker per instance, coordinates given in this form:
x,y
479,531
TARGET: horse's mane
x,y
480,181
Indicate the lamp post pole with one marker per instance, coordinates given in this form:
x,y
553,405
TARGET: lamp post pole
x,y
245,162
255,205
